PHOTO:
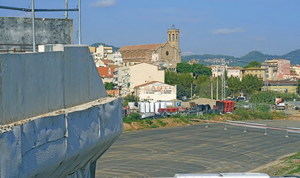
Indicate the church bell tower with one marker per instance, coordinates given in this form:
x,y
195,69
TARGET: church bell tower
x,y
173,37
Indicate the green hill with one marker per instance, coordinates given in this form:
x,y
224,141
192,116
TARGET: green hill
x,y
293,56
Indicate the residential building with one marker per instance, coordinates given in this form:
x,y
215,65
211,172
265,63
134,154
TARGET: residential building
x,y
277,68
283,86
104,56
102,52
129,77
255,71
234,72
296,70
165,55
218,70
155,91
107,73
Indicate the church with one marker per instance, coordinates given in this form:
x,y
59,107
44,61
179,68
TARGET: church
x,y
164,55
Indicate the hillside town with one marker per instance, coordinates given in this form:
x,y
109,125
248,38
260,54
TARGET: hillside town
x,y
73,105
140,70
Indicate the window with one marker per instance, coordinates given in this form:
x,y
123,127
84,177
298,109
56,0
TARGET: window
x,y
167,53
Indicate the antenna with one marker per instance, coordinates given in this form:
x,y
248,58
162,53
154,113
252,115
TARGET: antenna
x,y
33,25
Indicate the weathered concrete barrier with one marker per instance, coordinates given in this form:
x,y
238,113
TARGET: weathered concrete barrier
x,y
35,83
55,117
61,145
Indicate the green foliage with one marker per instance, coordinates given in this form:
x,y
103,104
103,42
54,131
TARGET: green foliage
x,y
269,97
251,84
109,86
253,64
298,88
161,123
129,98
252,114
234,85
196,69
184,68
199,69
133,117
183,82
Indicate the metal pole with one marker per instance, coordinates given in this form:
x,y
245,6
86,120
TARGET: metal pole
x,y
79,22
211,88
66,7
191,90
33,25
217,89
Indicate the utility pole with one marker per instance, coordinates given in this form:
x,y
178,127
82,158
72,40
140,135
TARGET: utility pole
x,y
66,7
191,90
223,84
33,25
211,88
79,22
217,89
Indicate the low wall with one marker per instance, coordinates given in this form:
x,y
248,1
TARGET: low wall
x,y
16,32
35,83
63,145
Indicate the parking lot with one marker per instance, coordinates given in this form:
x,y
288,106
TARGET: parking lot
x,y
195,149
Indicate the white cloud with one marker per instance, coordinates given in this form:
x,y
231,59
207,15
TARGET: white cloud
x,y
104,3
226,31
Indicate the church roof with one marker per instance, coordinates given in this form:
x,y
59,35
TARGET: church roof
x,y
143,47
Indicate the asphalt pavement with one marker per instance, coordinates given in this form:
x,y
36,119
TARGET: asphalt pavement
x,y
195,149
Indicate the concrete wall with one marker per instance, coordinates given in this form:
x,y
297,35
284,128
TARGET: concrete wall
x,y
18,30
64,145
35,83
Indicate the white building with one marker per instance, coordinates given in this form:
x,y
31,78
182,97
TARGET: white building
x,y
129,77
234,72
155,91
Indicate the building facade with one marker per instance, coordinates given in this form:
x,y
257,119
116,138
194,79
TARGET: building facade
x,y
165,55
255,71
277,69
129,77
155,91
234,72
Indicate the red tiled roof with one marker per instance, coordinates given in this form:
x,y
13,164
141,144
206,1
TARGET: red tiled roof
x,y
139,47
113,92
106,72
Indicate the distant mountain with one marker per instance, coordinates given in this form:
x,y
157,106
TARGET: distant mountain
x,y
208,59
104,44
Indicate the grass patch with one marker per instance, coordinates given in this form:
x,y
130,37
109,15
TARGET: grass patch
x,y
161,123
251,114
286,167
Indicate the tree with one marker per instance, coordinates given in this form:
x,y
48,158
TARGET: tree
x,y
182,80
298,87
234,85
203,86
251,83
184,68
130,98
109,85
199,69
196,69
253,64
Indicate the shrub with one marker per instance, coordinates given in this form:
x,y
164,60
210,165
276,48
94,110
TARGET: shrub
x,y
132,117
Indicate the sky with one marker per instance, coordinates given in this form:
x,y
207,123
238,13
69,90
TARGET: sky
x,y
231,27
